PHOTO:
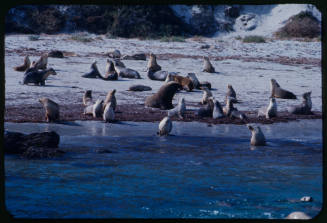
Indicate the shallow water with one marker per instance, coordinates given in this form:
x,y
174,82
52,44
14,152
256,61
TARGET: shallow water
x,y
198,172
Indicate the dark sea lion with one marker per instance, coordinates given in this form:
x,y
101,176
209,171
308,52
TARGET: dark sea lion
x,y
25,66
56,54
278,92
51,109
139,87
87,98
163,98
41,64
127,72
137,56
304,108
160,75
94,73
38,77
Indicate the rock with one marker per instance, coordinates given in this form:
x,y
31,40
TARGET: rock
x,y
56,54
246,22
232,11
297,215
306,199
36,152
137,56
18,143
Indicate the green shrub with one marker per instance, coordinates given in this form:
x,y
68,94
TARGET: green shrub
x,y
34,37
172,39
254,39
78,37
303,25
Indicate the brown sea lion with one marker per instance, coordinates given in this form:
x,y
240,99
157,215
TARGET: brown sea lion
x,y
207,66
152,64
41,64
163,98
185,82
87,98
25,66
304,108
51,109
278,92
38,77
110,98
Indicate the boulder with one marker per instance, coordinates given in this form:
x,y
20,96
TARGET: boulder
x,y
246,22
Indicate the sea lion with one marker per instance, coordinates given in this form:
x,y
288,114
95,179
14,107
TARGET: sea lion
x,y
207,110
270,111
38,77
110,98
152,64
110,72
41,64
97,108
298,215
257,137
230,111
278,92
94,73
139,87
231,93
165,126
205,84
162,99
117,62
217,110
304,108
137,56
51,109
185,82
194,80
206,95
87,98
108,113
179,109
207,66
56,54
160,75
169,77
25,66
114,54
127,72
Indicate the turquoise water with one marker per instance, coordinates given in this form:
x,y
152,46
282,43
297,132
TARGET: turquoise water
x,y
198,172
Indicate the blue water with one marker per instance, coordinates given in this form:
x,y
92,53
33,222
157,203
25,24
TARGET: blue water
x,y
214,175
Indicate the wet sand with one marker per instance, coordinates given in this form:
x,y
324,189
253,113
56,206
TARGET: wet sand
x,y
137,113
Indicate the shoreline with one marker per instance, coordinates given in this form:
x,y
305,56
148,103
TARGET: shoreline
x,y
138,113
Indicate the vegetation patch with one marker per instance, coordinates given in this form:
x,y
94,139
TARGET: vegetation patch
x,y
172,39
254,39
302,25
81,38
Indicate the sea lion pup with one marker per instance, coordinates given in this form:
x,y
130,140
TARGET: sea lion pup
x,y
163,98
185,82
165,126
94,73
179,109
206,95
38,77
152,64
270,111
194,79
207,66
139,87
205,84
25,66
217,110
87,98
51,109
257,138
304,108
110,72
41,64
97,108
108,113
110,98
127,72
278,92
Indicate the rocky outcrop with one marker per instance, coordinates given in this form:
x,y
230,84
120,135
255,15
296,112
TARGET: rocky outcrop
x,y
246,22
35,145
203,21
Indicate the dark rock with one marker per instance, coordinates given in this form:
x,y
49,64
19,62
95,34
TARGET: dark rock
x,y
232,11
137,56
246,22
18,143
56,53
35,152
